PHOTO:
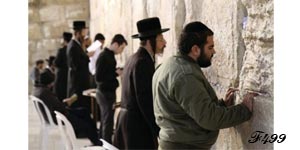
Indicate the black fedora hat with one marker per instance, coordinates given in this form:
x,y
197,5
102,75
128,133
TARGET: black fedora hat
x,y
77,25
67,36
149,27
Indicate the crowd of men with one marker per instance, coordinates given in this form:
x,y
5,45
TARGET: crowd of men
x,y
169,107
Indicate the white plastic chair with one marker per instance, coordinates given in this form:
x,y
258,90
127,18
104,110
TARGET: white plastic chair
x,y
69,137
108,145
45,126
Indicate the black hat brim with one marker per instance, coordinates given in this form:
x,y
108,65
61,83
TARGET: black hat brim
x,y
149,34
80,28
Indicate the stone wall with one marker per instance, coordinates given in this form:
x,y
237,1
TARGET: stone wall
x,y
243,41
48,19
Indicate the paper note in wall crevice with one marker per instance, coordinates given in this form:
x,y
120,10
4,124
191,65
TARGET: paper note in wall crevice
x,y
94,46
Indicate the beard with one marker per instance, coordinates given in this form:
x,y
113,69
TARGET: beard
x,y
161,50
204,61
81,39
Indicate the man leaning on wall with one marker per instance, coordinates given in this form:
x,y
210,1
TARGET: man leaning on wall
x,y
186,107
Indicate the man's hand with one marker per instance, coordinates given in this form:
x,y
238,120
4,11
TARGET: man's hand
x,y
248,100
70,100
229,97
119,71
91,53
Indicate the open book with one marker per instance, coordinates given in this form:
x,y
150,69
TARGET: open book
x,y
94,46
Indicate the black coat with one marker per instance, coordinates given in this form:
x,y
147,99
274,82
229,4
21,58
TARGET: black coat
x,y
136,127
106,76
60,84
78,73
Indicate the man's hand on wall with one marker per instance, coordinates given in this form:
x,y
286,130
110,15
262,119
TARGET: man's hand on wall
x,y
248,100
229,97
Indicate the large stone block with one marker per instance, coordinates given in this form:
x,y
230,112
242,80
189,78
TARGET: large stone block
x,y
33,3
95,5
37,54
61,2
33,15
164,10
238,137
138,12
228,139
55,29
257,71
66,2
126,28
52,13
262,120
50,2
31,46
77,11
179,18
227,28
47,45
96,19
35,32
193,9
31,49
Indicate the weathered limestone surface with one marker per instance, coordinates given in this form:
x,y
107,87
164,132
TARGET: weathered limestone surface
x,y
77,11
35,31
243,34
52,13
48,19
257,68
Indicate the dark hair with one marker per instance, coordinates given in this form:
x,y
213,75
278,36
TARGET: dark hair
x,y
67,36
194,33
152,40
51,60
40,61
99,36
78,30
119,38
46,78
67,39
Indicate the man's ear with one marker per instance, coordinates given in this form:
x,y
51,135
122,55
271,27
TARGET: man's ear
x,y
196,50
115,45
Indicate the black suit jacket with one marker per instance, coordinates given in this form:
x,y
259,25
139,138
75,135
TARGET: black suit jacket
x,y
78,73
137,98
61,78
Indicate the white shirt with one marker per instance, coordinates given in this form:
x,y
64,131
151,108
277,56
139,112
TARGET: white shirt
x,y
93,59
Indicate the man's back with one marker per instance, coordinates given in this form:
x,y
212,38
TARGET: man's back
x,y
106,76
61,76
51,101
78,77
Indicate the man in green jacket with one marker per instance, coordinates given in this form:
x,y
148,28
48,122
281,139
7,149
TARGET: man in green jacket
x,y
185,105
